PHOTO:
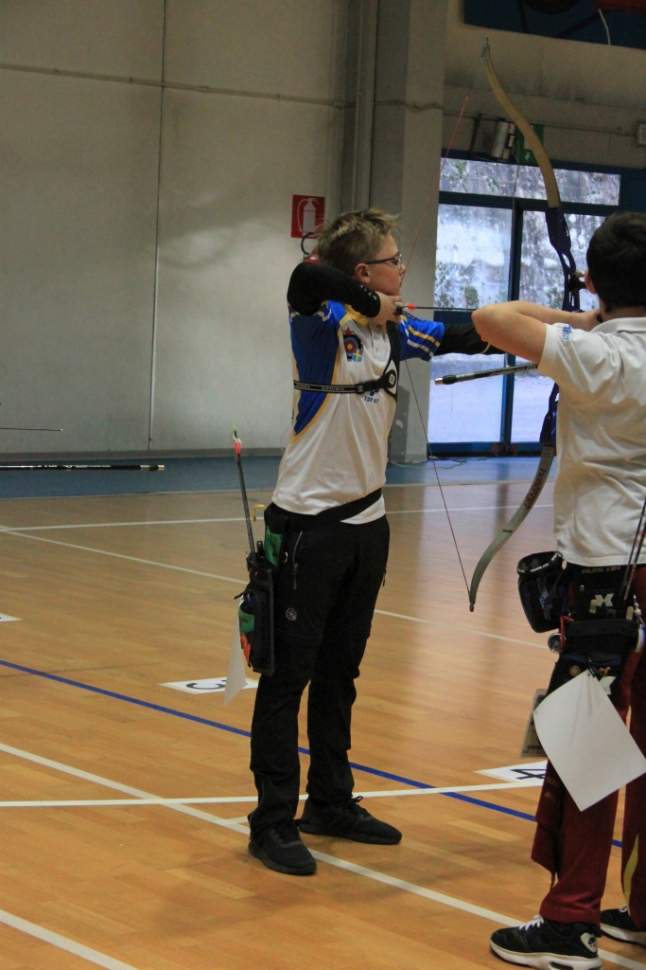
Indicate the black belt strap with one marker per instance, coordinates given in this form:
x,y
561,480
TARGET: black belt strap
x,y
335,514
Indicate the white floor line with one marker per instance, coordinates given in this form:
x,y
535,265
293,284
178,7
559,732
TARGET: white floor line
x,y
621,961
239,518
120,555
252,799
62,942
238,581
449,789
452,902
130,802
351,867
115,525
460,626
446,483
463,508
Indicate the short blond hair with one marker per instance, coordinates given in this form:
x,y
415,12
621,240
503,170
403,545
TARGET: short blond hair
x,y
354,237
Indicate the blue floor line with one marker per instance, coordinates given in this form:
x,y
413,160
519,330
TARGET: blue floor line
x,y
401,779
123,697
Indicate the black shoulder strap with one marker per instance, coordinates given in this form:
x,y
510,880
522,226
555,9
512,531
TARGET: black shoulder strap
x,y
387,380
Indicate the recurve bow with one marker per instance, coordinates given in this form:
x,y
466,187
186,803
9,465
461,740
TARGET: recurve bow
x,y
559,236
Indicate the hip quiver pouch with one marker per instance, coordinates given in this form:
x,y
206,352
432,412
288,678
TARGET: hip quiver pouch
x,y
256,610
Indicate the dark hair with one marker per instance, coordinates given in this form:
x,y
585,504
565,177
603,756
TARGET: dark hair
x,y
617,260
353,237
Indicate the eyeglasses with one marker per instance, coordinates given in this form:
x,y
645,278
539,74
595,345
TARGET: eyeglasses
x,y
397,261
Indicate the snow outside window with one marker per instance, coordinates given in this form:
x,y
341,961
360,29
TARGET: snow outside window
x,y
472,268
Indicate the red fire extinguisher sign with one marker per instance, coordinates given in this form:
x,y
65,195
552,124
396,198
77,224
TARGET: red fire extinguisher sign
x,y
308,214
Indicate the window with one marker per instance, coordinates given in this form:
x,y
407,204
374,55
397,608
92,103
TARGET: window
x,y
472,177
492,245
541,276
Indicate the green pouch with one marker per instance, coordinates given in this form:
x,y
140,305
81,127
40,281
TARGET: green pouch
x,y
276,524
273,546
256,614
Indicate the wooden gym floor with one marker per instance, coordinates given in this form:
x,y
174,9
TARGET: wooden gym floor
x,y
124,841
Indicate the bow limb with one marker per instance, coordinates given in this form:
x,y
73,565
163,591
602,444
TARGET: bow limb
x,y
560,240
521,513
557,228
531,138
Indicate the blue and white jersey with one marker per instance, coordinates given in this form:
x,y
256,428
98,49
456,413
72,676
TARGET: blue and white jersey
x,y
338,448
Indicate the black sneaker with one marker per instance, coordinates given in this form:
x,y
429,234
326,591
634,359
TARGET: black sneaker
x,y
548,945
348,822
618,923
280,848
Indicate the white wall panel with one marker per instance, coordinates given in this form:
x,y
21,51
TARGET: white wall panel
x,y
230,168
252,115
277,47
117,37
79,180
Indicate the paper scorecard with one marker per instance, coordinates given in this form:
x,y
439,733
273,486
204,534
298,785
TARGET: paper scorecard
x,y
587,742
237,675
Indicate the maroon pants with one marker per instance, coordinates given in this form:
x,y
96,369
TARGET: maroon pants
x,y
575,846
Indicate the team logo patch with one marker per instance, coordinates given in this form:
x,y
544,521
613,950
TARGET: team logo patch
x,y
290,613
352,345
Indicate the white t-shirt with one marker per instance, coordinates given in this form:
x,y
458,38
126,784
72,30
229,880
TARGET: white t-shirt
x,y
601,438
338,449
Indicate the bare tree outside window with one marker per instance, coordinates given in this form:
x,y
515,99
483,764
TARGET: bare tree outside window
x,y
472,268
526,181
541,281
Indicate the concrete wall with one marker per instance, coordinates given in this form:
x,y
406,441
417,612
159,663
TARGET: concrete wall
x,y
148,157
589,97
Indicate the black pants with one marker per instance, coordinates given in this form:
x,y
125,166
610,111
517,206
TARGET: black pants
x,y
327,588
